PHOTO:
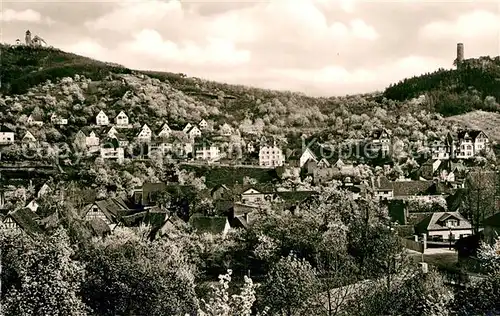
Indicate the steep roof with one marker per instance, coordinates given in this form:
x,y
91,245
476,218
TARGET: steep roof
x,y
26,219
381,183
5,129
112,208
473,134
208,224
436,221
408,188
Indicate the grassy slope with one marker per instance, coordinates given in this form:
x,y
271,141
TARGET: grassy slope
x,y
488,122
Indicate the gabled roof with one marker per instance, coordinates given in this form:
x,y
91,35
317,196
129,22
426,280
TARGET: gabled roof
x,y
472,134
36,117
408,188
436,221
381,183
377,134
112,208
5,129
101,113
121,112
26,219
208,224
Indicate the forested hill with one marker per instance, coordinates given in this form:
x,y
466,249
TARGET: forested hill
x,y
475,84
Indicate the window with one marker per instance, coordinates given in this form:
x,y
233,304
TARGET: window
x,y
452,223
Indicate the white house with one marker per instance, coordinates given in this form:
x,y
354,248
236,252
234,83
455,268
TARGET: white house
x,y
28,138
58,120
144,134
306,156
271,156
112,150
203,124
194,132
102,119
6,135
207,152
441,226
187,128
440,150
112,132
381,141
470,143
165,131
117,154
35,120
33,205
226,130
121,120
92,140
382,188
44,190
254,196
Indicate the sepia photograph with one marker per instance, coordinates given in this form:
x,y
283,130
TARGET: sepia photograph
x,y
249,158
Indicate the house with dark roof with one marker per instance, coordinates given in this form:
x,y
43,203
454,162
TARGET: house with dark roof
x,y
380,141
35,119
468,143
209,224
22,219
382,188
109,210
443,226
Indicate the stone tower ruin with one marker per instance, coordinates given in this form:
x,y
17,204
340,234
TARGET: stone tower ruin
x,y
460,53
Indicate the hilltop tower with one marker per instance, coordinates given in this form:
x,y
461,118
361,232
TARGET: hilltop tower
x,y
28,37
460,53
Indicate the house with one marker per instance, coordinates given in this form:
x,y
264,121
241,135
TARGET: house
x,y
112,132
6,135
144,134
323,163
271,156
226,130
194,132
382,188
35,120
92,140
210,224
44,190
380,141
29,139
58,120
254,196
207,151
444,226
102,119
121,120
203,124
165,131
411,189
112,150
187,128
469,143
306,156
250,147
440,150
22,219
109,211
33,205
221,192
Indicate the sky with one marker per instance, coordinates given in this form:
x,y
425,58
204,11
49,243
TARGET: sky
x,y
318,47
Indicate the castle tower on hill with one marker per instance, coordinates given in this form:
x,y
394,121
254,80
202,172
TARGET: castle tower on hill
x,y
460,53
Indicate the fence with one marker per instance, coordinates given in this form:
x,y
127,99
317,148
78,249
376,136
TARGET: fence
x,y
413,245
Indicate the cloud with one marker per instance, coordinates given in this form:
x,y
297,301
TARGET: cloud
x,y
471,25
217,51
27,15
90,48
